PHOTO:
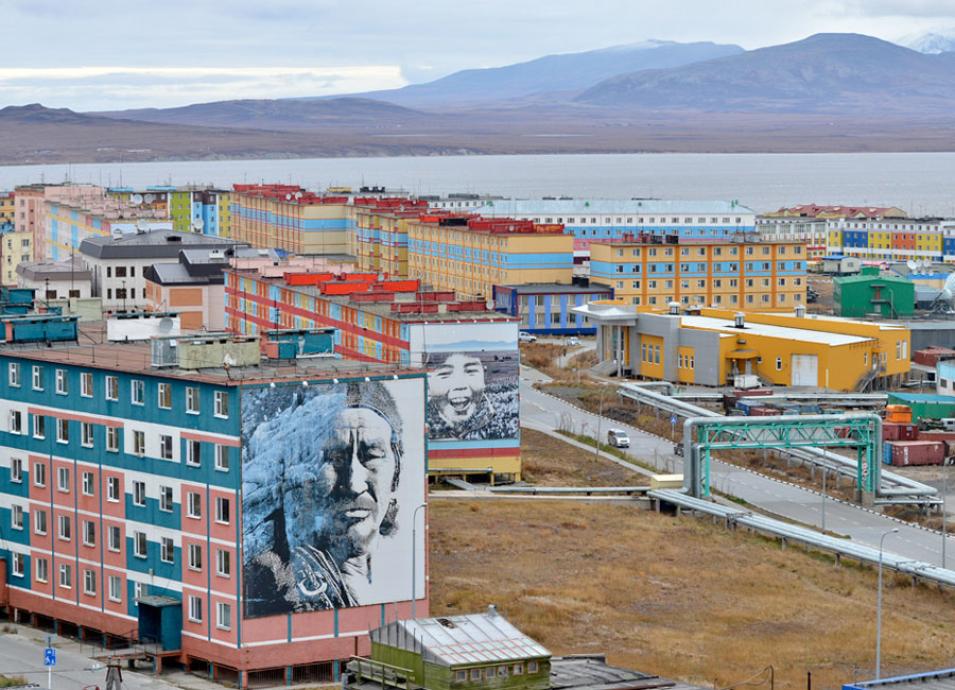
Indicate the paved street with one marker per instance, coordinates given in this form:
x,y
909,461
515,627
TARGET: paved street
x,y
769,495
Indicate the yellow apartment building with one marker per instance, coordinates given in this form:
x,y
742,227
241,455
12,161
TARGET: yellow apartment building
x,y
712,346
755,276
472,255
15,248
379,234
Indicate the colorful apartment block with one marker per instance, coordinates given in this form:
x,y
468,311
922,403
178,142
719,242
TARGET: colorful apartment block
x,y
290,218
471,353
590,220
893,239
137,499
548,308
8,208
15,248
200,210
379,240
470,255
746,275
68,226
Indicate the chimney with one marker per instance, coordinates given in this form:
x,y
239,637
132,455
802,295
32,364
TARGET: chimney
x,y
492,610
674,308
739,320
800,311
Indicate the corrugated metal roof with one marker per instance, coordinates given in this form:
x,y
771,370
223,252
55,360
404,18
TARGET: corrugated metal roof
x,y
645,207
482,638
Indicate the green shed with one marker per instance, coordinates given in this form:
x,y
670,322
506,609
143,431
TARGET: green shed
x,y
925,405
870,292
465,652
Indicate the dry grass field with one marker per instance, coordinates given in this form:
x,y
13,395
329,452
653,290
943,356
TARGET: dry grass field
x,y
679,597
551,462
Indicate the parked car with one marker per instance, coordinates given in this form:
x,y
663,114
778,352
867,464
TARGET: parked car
x,y
618,438
573,341
526,337
811,295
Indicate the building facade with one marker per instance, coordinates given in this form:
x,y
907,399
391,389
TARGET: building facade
x,y
471,354
136,500
757,275
193,287
379,238
712,346
894,239
55,280
201,210
471,255
547,309
15,248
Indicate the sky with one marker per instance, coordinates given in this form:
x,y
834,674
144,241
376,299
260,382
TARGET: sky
x,y
117,54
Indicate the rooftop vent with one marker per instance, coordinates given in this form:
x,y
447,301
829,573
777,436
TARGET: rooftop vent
x,y
173,238
739,320
674,308
447,623
800,311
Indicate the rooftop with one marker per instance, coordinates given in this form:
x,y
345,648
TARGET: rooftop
x,y
782,332
645,207
593,673
943,679
558,289
70,269
155,244
94,351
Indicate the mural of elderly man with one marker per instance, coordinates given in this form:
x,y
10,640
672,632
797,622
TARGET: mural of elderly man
x,y
321,476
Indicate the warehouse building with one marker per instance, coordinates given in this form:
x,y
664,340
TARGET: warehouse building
x,y
137,493
713,346
873,293
652,270
471,353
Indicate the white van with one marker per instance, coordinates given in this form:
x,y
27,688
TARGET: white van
x,y
618,438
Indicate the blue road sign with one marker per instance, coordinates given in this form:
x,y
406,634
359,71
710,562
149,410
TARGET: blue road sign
x,y
49,657
672,420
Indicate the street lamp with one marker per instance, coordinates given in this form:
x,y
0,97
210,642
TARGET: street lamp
x,y
414,564
878,609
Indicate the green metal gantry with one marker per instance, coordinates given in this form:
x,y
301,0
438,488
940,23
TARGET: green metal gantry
x,y
859,431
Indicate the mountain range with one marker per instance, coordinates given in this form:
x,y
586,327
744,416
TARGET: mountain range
x,y
828,92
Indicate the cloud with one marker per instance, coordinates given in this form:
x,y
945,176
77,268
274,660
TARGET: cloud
x,y
935,9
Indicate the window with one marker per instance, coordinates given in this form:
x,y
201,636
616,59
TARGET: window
x,y
460,676
13,374
165,499
532,667
195,556
139,492
195,609
222,458
113,538
39,521
41,569
66,576
112,439
89,533
16,516
223,616
223,563
475,674
16,470
115,588
139,443
166,550
62,431
39,474
86,434
89,582
16,422
137,392
63,479
37,378
139,544
112,489
86,384
222,509
61,384
192,400
88,485
221,404
39,426
194,504
137,592
779,364
193,452
165,396
64,529
165,446
112,388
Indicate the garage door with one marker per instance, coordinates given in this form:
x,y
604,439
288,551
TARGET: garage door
x,y
805,370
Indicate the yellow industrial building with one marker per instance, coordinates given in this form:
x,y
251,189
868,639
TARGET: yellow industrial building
x,y
750,275
472,255
713,346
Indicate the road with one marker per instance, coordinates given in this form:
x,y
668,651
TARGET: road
x,y
771,496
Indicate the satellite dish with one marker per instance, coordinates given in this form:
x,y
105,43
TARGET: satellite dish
x,y
166,325
288,197
298,195
948,289
136,199
149,198
228,361
913,265
197,225
141,227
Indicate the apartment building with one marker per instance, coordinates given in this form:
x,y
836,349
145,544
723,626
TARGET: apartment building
x,y
471,353
893,239
471,255
291,218
201,210
756,275
379,238
137,499
15,248
118,263
8,208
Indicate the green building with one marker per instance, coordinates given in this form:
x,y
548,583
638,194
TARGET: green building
x,y
869,292
479,652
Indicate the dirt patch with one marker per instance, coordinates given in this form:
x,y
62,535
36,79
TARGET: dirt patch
x,y
678,596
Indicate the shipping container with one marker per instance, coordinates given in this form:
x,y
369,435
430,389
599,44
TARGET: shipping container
x,y
763,411
909,453
937,435
891,431
930,356
898,414
887,452
924,405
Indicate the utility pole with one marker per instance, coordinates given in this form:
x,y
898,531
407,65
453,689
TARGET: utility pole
x,y
944,521
824,499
